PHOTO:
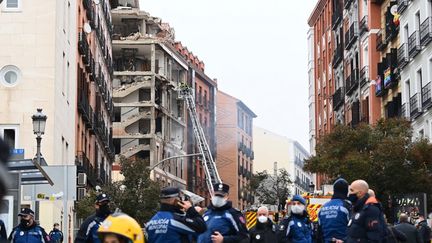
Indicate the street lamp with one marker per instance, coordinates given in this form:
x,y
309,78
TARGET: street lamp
x,y
311,187
39,122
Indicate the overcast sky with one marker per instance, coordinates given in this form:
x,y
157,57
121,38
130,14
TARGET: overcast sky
x,y
256,49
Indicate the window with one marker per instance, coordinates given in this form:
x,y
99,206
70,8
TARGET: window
x,y
419,81
12,5
9,133
10,75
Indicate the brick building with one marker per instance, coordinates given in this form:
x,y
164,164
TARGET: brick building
x,y
235,155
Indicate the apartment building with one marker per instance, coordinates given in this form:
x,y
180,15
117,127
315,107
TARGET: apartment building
x,y
149,118
94,110
235,153
415,64
273,151
205,96
388,85
37,70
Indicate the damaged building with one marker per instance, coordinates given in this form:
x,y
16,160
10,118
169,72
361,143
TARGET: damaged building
x,y
149,118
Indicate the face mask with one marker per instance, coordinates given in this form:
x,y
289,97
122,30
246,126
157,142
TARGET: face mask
x,y
25,222
262,219
352,198
218,201
298,209
104,209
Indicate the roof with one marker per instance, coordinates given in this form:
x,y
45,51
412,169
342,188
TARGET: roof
x,y
241,104
319,7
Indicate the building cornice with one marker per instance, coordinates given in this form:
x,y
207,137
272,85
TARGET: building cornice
x,y
319,7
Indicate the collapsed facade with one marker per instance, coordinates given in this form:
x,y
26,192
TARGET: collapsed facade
x,y
149,118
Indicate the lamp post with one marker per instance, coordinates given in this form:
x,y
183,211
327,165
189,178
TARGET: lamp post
x,y
39,122
311,187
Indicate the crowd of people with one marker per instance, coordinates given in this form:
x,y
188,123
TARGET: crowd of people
x,y
353,215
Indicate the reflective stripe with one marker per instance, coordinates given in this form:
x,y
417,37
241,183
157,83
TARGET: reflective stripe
x,y
291,223
234,223
180,225
41,235
93,223
345,211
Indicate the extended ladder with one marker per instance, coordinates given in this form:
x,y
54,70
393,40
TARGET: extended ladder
x,y
212,175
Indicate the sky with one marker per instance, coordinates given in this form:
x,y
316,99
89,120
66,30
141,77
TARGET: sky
x,y
256,49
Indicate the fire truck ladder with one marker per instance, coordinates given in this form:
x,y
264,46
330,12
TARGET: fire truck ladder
x,y
212,175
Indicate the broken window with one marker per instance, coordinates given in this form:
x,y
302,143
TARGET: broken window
x,y
144,126
144,95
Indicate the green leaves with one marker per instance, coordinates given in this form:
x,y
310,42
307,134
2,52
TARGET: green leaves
x,y
384,155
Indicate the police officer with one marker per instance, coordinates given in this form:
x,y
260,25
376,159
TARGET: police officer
x,y
56,235
88,230
28,231
334,215
297,228
367,220
264,231
176,221
224,223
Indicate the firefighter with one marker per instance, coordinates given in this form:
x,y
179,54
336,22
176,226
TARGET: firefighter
x,y
120,228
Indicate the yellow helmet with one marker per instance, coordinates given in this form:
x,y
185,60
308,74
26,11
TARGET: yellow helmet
x,y
123,225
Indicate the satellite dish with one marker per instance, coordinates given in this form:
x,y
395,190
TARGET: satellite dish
x,y
87,28
394,9
96,2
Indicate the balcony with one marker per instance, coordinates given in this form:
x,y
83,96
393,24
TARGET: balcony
x,y
414,47
84,165
426,32
364,75
351,36
351,81
84,107
337,55
415,108
347,3
363,25
87,4
381,43
338,98
336,18
402,56
426,96
402,6
404,112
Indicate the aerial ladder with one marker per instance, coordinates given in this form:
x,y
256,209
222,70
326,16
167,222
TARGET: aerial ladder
x,y
208,164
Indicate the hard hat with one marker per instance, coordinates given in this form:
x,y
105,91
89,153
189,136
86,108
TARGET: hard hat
x,y
123,225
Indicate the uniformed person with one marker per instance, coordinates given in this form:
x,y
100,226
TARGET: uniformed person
x,y
297,228
367,221
176,221
28,231
88,230
224,223
264,230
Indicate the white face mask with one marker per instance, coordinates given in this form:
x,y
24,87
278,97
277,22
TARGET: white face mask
x,y
218,201
297,209
262,219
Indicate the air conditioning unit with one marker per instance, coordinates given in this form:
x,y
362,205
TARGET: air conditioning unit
x,y
82,179
81,193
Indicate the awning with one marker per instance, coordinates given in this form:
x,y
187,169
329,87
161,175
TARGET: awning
x,y
31,172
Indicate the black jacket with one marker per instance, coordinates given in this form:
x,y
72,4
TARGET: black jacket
x,y
394,235
3,235
413,236
263,233
367,222
88,229
425,231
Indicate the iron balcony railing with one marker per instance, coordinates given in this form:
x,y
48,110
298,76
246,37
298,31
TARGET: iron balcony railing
x,y
414,44
381,43
347,3
84,165
352,81
84,106
337,55
337,17
415,107
351,35
404,111
338,98
364,75
402,5
402,56
363,25
426,32
426,96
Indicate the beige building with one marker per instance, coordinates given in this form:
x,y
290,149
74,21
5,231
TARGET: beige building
x,y
276,151
37,57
